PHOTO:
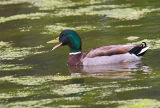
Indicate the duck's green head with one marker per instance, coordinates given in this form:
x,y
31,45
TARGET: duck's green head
x,y
70,38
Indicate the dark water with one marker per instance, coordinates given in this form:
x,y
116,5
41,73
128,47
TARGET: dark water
x,y
31,75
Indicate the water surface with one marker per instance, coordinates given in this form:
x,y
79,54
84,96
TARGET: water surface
x,y
31,75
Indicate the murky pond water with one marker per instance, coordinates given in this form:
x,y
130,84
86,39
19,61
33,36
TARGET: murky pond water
x,y
31,75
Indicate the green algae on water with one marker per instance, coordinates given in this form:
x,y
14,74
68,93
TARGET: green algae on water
x,y
58,27
8,52
52,4
140,103
13,67
25,29
24,80
152,43
16,94
28,103
4,44
131,38
33,80
126,13
130,89
22,16
72,89
135,103
9,2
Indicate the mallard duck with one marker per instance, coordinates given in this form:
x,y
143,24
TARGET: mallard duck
x,y
103,55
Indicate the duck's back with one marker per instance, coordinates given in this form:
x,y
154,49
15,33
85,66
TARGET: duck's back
x,y
109,50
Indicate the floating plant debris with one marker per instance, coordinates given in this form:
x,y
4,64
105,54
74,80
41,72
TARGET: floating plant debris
x,y
131,38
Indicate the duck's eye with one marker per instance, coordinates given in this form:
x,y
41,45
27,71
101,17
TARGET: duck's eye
x,y
62,34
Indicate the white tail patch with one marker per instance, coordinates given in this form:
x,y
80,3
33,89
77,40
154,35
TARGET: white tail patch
x,y
143,50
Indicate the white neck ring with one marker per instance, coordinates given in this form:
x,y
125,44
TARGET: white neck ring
x,y
74,53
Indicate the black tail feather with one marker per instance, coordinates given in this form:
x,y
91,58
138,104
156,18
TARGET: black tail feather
x,y
139,50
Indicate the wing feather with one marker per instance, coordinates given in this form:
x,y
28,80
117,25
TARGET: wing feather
x,y
109,50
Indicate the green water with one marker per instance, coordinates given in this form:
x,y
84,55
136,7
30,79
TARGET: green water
x,y
33,76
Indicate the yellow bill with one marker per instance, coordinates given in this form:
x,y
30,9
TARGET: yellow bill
x,y
58,45
54,41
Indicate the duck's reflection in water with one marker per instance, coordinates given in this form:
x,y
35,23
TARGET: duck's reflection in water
x,y
125,70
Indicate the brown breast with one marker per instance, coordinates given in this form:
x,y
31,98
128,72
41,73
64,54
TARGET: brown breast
x,y
75,59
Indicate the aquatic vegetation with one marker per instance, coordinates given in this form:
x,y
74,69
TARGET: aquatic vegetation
x,y
26,80
152,43
63,78
139,103
126,13
33,80
13,67
72,89
19,93
92,7
130,89
58,27
45,82
51,4
135,103
22,16
4,44
8,52
123,26
29,103
39,103
9,2
25,29
88,10
131,38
